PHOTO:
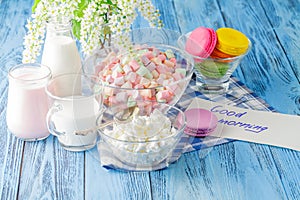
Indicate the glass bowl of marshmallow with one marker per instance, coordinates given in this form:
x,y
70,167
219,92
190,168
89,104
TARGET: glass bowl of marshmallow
x,y
149,68
143,135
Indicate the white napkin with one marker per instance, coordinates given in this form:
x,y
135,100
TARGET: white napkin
x,y
262,127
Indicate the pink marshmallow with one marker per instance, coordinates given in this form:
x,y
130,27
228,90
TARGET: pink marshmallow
x,y
170,69
119,80
121,97
146,93
153,84
106,72
127,69
149,55
134,64
117,68
155,74
145,60
166,82
131,77
145,82
110,66
138,86
137,79
156,52
127,85
109,79
173,60
151,66
161,69
169,63
162,57
163,76
116,74
163,95
160,81
156,60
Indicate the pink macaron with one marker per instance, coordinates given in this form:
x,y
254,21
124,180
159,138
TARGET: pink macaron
x,y
201,42
200,122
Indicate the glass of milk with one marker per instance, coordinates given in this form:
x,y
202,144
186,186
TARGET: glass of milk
x,y
27,103
76,105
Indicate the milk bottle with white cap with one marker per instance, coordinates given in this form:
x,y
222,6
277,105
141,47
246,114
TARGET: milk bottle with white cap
x,y
60,52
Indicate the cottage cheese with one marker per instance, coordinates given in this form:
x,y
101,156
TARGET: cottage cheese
x,y
142,140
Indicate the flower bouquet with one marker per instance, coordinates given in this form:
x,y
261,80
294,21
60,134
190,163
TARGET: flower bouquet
x,y
94,22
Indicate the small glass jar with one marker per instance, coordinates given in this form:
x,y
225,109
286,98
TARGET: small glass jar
x,y
27,104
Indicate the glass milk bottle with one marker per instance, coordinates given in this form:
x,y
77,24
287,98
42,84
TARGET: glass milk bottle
x,y
60,51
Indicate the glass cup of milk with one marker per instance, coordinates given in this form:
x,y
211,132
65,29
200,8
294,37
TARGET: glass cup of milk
x,y
27,102
76,105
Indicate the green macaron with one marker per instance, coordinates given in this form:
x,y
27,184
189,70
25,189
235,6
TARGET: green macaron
x,y
212,69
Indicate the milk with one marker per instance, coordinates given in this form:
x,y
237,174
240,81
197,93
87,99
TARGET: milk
x,y
27,104
61,55
77,113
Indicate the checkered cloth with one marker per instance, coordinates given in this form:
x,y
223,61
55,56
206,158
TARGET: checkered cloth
x,y
238,95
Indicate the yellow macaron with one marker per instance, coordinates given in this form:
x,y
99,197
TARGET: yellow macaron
x,y
231,41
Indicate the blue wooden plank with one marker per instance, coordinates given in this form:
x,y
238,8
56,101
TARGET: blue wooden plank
x,y
50,172
288,166
103,184
250,181
232,171
267,70
274,72
235,171
11,149
47,171
286,26
191,14
11,159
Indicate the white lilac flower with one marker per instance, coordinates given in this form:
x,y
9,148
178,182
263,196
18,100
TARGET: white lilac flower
x,y
149,12
99,20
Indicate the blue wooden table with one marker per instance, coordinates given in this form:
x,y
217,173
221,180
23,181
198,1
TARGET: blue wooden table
x,y
236,170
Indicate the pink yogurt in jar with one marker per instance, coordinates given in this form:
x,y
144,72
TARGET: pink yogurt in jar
x,y
27,104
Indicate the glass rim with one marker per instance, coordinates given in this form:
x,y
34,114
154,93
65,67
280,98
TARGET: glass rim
x,y
68,98
178,131
47,75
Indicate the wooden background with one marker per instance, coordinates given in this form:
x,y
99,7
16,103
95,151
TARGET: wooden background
x,y
237,170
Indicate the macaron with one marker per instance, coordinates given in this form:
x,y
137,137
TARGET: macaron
x,y
219,54
201,42
231,41
212,69
200,122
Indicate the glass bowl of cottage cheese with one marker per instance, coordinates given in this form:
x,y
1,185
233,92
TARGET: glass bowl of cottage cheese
x,y
143,135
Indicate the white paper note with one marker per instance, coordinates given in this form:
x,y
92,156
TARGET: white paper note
x,y
253,126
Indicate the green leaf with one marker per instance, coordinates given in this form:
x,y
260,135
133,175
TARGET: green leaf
x,y
76,28
36,2
83,4
109,2
81,7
